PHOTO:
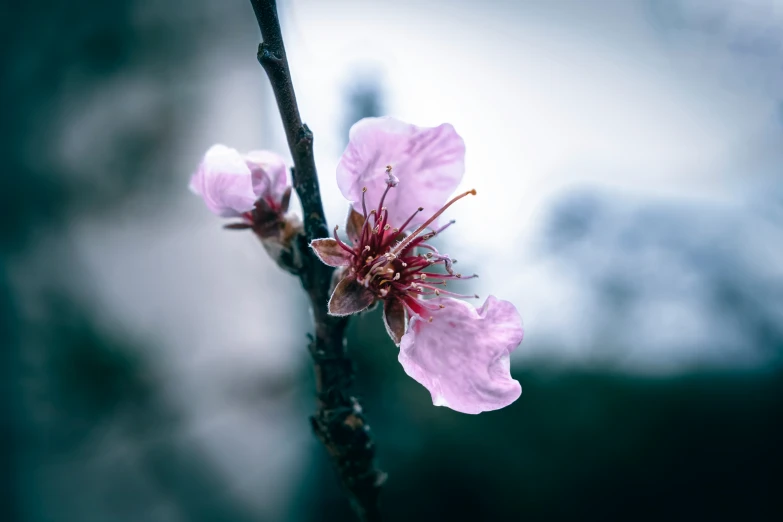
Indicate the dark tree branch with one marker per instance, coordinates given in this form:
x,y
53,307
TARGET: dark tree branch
x,y
338,422
272,57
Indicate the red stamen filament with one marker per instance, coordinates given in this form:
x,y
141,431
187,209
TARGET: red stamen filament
x,y
343,245
435,216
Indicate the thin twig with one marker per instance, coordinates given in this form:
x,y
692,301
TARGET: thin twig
x,y
338,422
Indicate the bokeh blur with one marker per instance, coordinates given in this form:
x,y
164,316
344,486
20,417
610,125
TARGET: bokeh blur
x,y
628,160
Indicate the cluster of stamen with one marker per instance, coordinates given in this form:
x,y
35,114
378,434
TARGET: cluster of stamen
x,y
395,266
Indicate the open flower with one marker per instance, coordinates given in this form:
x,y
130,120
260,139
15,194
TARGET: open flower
x,y
460,354
253,187
236,185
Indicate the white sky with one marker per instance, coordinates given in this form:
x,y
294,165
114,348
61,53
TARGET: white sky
x,y
555,95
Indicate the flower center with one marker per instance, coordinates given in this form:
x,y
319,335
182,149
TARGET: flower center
x,y
395,266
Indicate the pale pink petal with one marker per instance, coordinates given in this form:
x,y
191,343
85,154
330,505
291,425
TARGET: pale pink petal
x,y
462,356
223,182
428,162
330,252
270,175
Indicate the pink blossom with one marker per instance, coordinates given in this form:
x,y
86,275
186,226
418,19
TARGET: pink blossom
x,y
428,163
462,356
231,184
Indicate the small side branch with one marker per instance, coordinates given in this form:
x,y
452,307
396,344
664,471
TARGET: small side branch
x,y
338,422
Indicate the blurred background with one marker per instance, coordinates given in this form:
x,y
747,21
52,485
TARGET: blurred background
x,y
627,156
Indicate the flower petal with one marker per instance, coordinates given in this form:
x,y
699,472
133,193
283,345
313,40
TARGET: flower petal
x,y
429,163
394,319
462,356
223,182
350,297
269,173
330,252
